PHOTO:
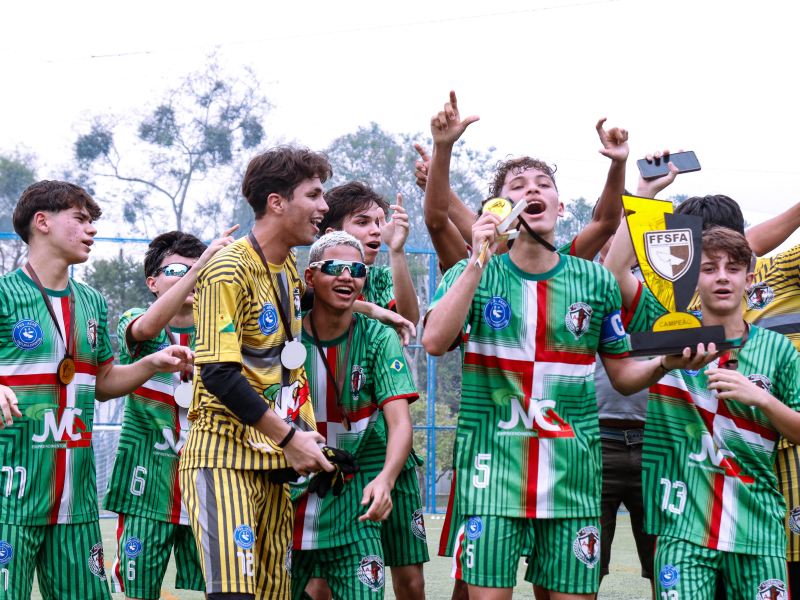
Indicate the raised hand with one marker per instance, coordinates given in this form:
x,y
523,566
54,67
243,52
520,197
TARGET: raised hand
x,y
226,239
394,233
649,188
615,142
422,166
447,126
8,406
484,233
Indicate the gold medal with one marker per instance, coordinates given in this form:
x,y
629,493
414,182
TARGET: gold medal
x,y
499,206
66,370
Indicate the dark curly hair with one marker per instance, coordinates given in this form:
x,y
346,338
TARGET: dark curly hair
x,y
50,196
351,198
166,244
517,166
279,171
719,240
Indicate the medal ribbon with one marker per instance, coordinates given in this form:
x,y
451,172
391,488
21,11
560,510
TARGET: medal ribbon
x,y
337,387
68,348
284,319
536,236
730,360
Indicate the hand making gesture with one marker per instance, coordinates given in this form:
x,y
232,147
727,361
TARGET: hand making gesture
x,y
615,142
447,126
394,232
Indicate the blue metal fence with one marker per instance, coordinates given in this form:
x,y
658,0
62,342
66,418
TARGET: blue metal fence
x,y
430,426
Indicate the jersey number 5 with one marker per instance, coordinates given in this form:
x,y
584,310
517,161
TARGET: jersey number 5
x,y
481,480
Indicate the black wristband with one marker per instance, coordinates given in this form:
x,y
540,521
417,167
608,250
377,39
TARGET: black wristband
x,y
288,438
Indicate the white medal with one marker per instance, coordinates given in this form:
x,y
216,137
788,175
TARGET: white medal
x,y
183,394
293,355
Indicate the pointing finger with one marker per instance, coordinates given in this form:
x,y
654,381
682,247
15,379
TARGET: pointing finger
x,y
229,231
599,125
422,152
453,100
400,200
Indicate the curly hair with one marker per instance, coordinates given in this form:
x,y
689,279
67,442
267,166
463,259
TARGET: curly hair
x,y
50,196
349,199
517,166
719,240
279,171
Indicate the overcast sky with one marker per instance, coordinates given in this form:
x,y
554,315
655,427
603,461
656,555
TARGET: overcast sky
x,y
719,78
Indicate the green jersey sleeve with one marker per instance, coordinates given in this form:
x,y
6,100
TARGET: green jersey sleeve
x,y
379,288
447,282
644,311
391,376
613,341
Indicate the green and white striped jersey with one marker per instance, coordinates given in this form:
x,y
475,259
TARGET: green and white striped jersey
x,y
145,477
379,287
527,442
708,463
377,373
47,467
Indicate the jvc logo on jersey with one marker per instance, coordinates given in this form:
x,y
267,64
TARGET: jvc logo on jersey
x,y
539,417
63,430
721,458
27,334
772,589
497,313
579,317
169,440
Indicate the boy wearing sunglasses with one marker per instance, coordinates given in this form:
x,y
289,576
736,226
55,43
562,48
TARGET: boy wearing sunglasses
x,y
712,435
55,361
143,489
359,210
361,388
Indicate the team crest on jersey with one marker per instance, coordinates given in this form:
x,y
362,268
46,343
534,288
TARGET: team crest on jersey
x,y
6,553
371,572
286,401
772,589
497,313
244,537
761,381
474,528
579,316
133,547
669,252
668,577
759,296
91,333
794,520
418,525
268,319
587,546
357,380
27,334
96,562
296,296
287,560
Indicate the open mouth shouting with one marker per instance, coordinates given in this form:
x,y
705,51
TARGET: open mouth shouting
x,y
534,207
344,291
373,245
315,222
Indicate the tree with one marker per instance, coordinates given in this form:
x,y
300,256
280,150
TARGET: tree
x,y
579,213
121,280
196,133
17,171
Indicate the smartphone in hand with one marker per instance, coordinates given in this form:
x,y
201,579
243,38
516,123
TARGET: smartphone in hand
x,y
658,167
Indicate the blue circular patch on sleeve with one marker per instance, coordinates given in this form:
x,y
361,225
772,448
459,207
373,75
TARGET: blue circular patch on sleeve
x,y
27,334
268,319
133,547
497,313
6,553
474,528
244,537
668,577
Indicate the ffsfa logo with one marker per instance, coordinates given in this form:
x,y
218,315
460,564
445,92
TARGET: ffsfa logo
x,y
540,416
59,429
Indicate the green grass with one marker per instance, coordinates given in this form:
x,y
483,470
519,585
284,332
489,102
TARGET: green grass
x,y
623,583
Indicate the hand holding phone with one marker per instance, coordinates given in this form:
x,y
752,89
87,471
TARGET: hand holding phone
x,y
686,162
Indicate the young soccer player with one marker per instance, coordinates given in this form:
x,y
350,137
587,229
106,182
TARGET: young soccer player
x,y
361,388
143,489
712,436
360,211
528,447
55,360
250,411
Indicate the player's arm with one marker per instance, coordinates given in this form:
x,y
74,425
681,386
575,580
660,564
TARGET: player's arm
x,y
629,376
445,236
398,447
649,188
732,385
115,381
394,235
765,237
162,311
405,329
445,321
9,406
609,207
619,260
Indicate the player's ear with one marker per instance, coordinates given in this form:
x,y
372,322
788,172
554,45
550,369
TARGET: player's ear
x,y
309,278
151,283
560,208
748,281
276,203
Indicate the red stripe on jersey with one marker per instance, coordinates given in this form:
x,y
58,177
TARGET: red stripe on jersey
x,y
410,397
61,462
299,521
716,512
155,395
459,549
542,352
393,305
627,313
531,486
117,561
444,539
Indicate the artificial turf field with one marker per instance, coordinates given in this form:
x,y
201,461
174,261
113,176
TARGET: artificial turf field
x,y
624,582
